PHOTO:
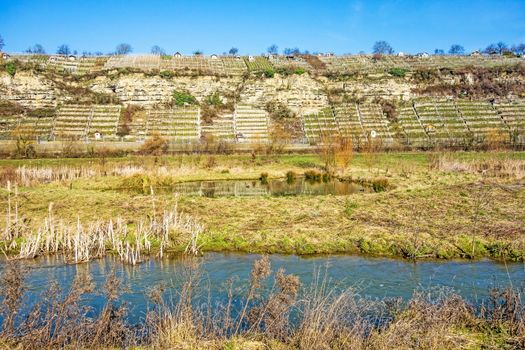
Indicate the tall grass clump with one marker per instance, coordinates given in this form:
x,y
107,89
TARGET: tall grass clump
x,y
78,243
501,168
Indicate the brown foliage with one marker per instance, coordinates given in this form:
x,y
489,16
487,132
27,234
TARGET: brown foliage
x,y
315,62
156,145
126,118
8,108
472,81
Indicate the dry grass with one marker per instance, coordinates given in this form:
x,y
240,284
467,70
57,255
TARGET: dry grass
x,y
83,242
502,168
460,214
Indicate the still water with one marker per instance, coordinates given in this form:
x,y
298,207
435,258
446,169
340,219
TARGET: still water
x,y
273,187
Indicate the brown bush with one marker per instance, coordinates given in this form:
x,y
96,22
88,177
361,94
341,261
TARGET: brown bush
x,y
155,146
126,118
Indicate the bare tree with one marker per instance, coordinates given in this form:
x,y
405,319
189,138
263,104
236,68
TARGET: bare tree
x,y
456,49
37,49
157,50
2,43
233,51
292,51
123,49
273,49
518,49
382,48
63,50
491,49
502,47
496,48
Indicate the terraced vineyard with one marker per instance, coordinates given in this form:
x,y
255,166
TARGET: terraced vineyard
x,y
375,124
72,122
36,126
251,124
257,64
513,115
349,123
8,125
236,66
369,64
413,132
104,121
222,129
177,124
290,62
319,127
482,120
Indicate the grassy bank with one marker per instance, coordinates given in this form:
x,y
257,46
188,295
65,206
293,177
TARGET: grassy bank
x,y
460,205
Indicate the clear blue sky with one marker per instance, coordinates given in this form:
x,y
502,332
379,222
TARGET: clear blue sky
x,y
214,26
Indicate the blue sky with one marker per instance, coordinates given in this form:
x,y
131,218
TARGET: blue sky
x,y
252,26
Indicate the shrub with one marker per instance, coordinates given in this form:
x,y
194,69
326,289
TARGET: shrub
x,y
264,178
312,175
315,62
299,71
290,176
181,98
380,184
214,99
326,177
279,110
42,113
208,113
8,108
425,75
166,74
156,145
397,72
10,68
269,73
126,118
388,107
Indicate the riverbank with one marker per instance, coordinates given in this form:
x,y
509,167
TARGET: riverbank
x,y
456,205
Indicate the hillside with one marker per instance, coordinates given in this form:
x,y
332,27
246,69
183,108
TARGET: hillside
x,y
380,101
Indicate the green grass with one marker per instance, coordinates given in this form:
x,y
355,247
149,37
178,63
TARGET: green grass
x,y
424,213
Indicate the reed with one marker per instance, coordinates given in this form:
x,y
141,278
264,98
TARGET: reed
x,y
83,242
500,168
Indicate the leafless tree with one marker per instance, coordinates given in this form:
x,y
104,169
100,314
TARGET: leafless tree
x,y
382,48
123,49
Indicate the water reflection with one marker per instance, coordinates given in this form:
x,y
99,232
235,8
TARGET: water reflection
x,y
274,187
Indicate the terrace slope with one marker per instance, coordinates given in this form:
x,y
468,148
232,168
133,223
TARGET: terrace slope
x,y
409,102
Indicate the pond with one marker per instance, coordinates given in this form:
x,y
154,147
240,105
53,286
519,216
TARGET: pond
x,y
370,277
272,187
